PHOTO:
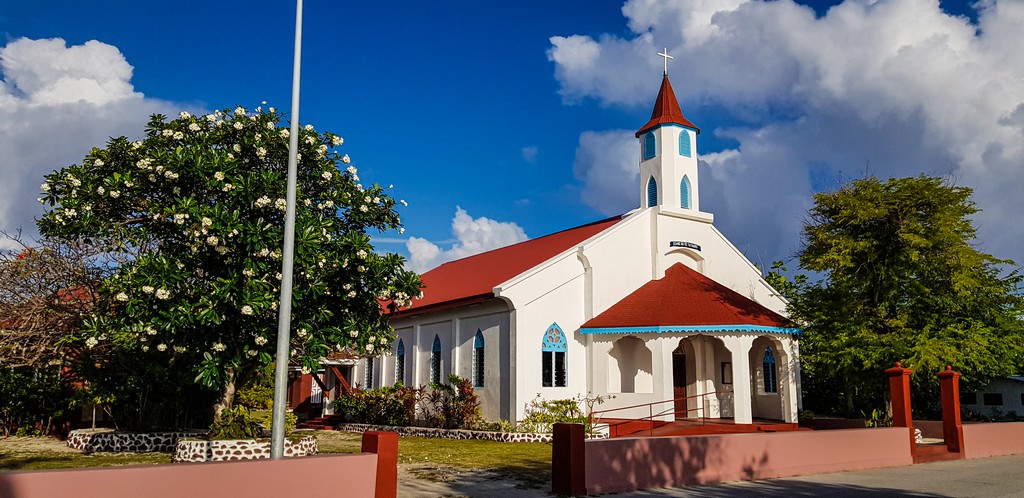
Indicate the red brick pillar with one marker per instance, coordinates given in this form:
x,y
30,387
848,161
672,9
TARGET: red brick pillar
x,y
952,429
385,445
568,460
899,389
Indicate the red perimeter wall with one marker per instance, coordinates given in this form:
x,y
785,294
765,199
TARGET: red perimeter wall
x,y
993,439
625,464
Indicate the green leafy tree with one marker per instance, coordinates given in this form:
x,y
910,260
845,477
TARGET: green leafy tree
x,y
199,202
900,281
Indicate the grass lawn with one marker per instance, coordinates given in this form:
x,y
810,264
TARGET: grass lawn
x,y
529,462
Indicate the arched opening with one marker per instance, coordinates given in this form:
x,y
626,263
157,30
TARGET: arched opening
x,y
400,362
769,375
478,360
435,361
684,193
684,144
553,361
650,145
707,375
652,192
630,368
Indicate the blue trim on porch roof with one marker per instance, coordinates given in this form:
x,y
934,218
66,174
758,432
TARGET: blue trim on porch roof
x,y
683,329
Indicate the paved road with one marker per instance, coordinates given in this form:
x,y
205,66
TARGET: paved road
x,y
985,477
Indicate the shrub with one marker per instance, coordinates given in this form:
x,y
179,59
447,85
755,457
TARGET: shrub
x,y
450,406
390,405
541,414
290,419
235,423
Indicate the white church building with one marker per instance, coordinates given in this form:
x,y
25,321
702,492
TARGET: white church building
x,y
655,307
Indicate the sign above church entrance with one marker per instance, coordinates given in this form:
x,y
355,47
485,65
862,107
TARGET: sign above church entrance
x,y
686,245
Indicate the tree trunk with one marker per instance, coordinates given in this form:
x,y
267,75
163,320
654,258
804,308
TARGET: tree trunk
x,y
227,397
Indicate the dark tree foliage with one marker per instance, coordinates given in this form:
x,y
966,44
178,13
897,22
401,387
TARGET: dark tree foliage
x,y
901,281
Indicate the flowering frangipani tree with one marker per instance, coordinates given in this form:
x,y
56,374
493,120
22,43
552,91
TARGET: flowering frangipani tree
x,y
200,202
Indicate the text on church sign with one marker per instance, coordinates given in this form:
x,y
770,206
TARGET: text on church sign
x,y
687,245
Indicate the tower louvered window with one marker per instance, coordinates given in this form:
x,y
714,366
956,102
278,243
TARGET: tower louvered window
x,y
684,193
650,145
684,144
652,192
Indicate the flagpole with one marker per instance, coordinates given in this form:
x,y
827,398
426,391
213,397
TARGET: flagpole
x,y
287,258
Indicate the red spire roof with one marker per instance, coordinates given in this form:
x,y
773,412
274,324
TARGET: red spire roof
x,y
666,110
686,300
473,279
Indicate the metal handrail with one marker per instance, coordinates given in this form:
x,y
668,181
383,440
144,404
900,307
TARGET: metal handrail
x,y
651,414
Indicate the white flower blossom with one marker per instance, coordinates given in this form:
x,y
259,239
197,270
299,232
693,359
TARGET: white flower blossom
x,y
309,127
251,353
328,204
178,135
284,133
247,272
237,125
212,240
206,221
179,349
219,347
163,294
263,252
145,348
101,190
261,152
336,141
272,110
301,332
260,340
361,253
179,218
281,204
345,159
263,201
184,115
402,202
86,208
121,296
136,144
352,294
167,132
161,347
363,208
369,348
150,331
91,342
193,127
366,199
326,175
114,194
97,162
352,333
247,310
70,213
239,111
210,118
351,169
228,187
152,178
148,289
360,268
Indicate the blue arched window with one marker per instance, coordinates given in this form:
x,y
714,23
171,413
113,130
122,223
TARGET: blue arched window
x,y
553,352
435,361
684,193
684,143
770,383
650,145
400,363
652,192
478,360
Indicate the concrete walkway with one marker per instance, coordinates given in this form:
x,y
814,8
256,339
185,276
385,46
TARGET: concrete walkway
x,y
984,477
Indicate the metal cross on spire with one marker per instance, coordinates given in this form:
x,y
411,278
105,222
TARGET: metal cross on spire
x,y
667,57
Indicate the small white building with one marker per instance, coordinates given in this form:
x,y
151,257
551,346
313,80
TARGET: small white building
x,y
650,306
1002,398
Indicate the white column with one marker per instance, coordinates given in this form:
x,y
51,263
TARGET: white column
x,y
741,397
707,376
790,388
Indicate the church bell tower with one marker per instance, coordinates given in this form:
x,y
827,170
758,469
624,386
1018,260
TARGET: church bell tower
x,y
668,154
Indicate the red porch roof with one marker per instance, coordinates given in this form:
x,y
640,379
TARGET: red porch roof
x,y
473,279
687,301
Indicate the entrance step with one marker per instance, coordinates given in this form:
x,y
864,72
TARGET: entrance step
x,y
934,452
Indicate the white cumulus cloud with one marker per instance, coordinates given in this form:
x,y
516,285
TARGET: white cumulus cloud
x,y
473,236
57,102
884,88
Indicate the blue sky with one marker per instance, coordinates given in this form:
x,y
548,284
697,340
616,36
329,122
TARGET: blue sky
x,y
474,105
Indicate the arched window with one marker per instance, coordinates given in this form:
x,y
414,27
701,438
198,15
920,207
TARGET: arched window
x,y
435,361
650,146
478,360
400,363
770,383
684,143
652,192
553,352
684,193
369,374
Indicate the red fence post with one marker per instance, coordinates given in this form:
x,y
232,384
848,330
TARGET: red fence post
x,y
568,460
952,429
899,389
385,445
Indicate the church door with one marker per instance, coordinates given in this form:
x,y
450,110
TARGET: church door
x,y
679,382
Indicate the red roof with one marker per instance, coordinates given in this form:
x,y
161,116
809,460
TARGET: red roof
x,y
473,279
666,110
685,298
